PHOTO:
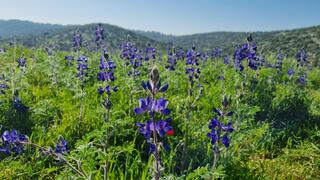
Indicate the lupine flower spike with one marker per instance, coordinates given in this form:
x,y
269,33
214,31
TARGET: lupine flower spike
x,y
219,130
155,130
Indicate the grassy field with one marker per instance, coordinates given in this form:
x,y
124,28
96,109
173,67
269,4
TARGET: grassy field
x,y
275,116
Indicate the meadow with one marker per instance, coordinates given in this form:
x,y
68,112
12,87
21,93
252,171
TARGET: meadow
x,y
152,113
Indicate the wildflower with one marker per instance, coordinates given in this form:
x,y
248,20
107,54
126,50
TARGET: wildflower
x,y
18,105
192,69
21,62
291,72
106,66
246,51
217,128
221,77
302,79
226,60
13,141
302,57
280,58
171,60
69,59
99,34
2,50
162,127
61,146
217,53
153,128
150,105
134,57
82,68
150,52
3,87
77,42
106,74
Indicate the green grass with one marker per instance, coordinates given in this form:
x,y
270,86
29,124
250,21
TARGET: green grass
x,y
276,121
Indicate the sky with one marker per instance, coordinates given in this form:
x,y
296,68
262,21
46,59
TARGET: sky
x,y
176,17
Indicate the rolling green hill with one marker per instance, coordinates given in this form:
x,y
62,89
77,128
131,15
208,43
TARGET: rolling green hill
x,y
61,36
289,40
31,35
11,28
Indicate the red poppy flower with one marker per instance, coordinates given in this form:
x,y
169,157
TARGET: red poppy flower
x,y
170,132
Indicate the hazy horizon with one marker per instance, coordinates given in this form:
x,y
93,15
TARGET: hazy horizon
x,y
171,17
133,29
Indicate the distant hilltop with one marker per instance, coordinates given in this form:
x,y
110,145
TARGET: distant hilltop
x,y
31,34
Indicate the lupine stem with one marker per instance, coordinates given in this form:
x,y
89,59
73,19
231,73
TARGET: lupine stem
x,y
155,142
216,153
13,71
105,168
80,172
81,105
133,80
186,134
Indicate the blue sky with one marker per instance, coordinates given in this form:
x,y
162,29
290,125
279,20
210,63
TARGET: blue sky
x,y
170,16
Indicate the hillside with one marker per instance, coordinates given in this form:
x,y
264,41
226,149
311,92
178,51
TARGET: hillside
x,y
61,36
10,28
289,40
31,35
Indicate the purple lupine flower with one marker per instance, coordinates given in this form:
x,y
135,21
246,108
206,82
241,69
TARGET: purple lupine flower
x,y
218,127
18,105
154,127
77,42
154,88
302,79
204,57
171,59
291,72
2,50
21,62
50,50
225,140
82,66
149,105
226,60
3,88
3,85
246,51
221,77
69,60
150,52
302,57
106,74
222,114
13,141
279,58
103,76
61,146
216,53
134,57
108,89
99,35
180,54
82,69
107,67
162,127
192,70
